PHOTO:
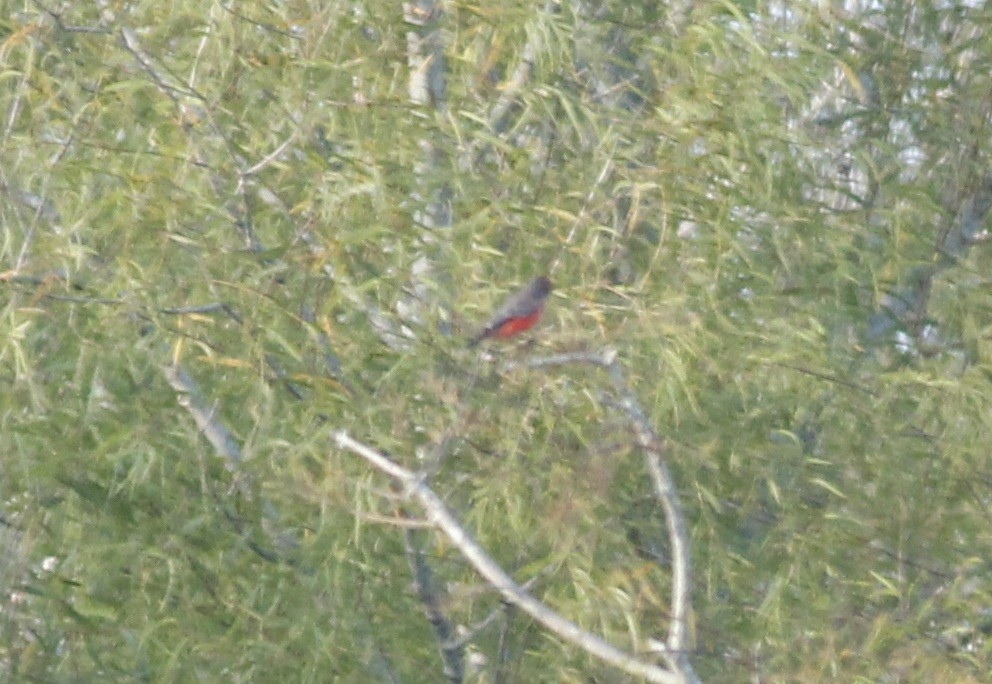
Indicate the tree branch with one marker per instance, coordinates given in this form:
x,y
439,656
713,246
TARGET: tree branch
x,y
452,652
442,517
664,485
213,429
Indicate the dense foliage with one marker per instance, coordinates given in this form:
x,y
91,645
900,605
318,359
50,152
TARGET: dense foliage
x,y
245,215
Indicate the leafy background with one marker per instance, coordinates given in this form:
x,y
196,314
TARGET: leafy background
x,y
776,214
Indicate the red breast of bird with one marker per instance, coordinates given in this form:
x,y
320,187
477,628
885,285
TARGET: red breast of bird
x,y
520,312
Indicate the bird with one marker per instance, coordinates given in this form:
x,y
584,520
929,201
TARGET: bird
x,y
520,312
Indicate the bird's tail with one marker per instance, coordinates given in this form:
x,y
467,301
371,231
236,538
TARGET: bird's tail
x,y
474,342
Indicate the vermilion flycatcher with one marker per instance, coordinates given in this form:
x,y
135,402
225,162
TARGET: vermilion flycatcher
x,y
519,313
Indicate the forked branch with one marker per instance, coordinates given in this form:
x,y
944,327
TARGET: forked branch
x,y
439,514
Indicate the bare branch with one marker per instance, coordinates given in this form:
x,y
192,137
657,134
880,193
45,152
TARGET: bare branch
x,y
439,514
452,652
475,630
271,156
213,429
166,82
499,115
57,18
664,485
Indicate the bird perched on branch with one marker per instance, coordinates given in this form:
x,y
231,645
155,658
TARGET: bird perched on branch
x,y
520,312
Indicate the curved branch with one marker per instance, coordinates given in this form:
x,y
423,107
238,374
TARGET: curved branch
x,y
439,514
676,648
